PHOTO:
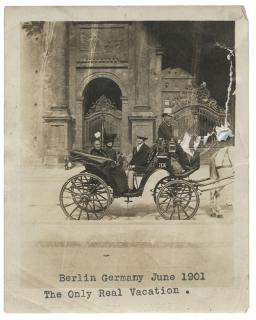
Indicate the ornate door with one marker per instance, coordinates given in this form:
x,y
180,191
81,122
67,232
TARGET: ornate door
x,y
102,116
194,110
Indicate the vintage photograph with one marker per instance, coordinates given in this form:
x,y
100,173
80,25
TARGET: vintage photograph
x,y
130,180
133,106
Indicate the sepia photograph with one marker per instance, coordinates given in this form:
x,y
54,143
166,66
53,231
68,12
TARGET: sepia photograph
x,y
131,108
131,166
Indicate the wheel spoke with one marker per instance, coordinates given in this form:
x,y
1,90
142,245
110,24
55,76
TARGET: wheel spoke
x,y
172,213
178,212
72,192
184,211
70,204
75,208
99,195
79,217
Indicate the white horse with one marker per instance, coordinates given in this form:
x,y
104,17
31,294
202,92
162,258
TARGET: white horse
x,y
221,164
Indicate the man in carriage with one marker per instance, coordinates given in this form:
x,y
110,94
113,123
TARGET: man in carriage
x,y
186,156
165,130
139,160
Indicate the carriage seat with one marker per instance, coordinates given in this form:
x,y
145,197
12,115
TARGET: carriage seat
x,y
80,156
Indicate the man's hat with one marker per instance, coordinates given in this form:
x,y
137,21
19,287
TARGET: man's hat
x,y
143,138
167,112
109,137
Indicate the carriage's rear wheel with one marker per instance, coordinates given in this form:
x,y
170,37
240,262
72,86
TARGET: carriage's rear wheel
x,y
177,200
85,196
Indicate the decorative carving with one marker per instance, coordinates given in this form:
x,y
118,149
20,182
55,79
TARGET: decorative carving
x,y
101,105
103,44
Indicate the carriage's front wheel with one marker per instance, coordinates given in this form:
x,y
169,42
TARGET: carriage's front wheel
x,y
159,185
177,200
85,196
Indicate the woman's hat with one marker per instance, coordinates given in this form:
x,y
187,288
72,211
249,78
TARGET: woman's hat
x,y
109,137
96,136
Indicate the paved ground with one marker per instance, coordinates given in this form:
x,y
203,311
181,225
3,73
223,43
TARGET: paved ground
x,y
40,198
126,241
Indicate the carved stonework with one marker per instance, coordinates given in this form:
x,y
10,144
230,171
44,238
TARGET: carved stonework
x,y
103,104
103,43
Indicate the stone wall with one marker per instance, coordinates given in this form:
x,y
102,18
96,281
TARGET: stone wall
x,y
59,62
31,103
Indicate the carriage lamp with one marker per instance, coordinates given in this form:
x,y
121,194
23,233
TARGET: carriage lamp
x,y
67,163
172,146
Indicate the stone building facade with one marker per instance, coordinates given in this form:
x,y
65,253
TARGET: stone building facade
x,y
80,77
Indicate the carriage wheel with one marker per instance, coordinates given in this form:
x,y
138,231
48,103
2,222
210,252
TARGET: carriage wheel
x,y
159,185
85,196
177,200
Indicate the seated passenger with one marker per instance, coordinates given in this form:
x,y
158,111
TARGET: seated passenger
x,y
114,174
97,150
109,142
139,160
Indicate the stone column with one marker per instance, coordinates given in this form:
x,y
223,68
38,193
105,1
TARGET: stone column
x,y
159,54
57,119
158,98
125,139
79,120
142,66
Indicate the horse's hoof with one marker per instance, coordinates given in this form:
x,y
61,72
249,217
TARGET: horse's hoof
x,y
219,215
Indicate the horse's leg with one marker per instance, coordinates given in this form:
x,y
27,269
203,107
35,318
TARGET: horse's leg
x,y
218,207
213,203
217,204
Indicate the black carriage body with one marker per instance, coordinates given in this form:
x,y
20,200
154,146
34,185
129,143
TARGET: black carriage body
x,y
99,166
89,194
103,168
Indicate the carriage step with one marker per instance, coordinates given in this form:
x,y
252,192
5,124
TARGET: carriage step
x,y
128,200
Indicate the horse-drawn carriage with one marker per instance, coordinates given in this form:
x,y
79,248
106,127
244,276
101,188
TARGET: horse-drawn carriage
x,y
89,194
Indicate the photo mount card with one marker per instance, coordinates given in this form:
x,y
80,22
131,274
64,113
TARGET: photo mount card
x,y
126,159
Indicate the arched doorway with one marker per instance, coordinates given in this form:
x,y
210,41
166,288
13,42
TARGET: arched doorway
x,y
102,110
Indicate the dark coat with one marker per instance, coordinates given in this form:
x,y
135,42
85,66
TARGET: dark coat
x,y
140,158
99,153
111,153
116,174
165,131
